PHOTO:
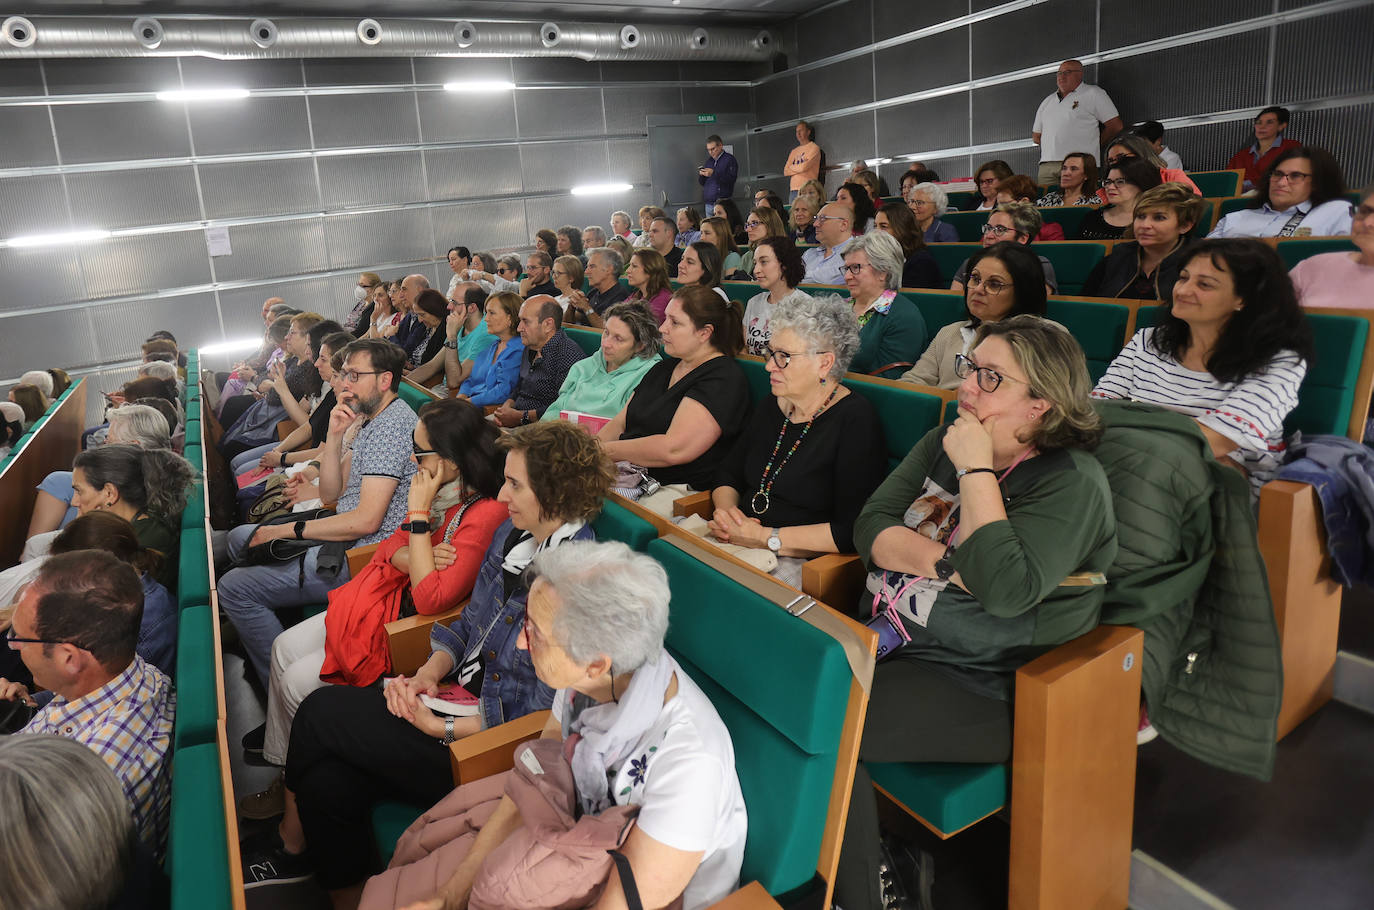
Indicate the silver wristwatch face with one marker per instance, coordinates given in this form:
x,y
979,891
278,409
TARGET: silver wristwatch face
x,y
775,543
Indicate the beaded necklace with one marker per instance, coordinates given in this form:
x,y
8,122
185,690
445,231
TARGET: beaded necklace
x,y
769,475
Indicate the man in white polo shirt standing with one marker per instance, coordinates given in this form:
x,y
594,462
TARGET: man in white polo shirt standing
x,y
1076,118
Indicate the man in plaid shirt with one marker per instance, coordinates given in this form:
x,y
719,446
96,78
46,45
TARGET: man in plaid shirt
x,y
76,628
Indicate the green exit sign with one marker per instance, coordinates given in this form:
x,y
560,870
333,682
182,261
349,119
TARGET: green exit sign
x,y
706,118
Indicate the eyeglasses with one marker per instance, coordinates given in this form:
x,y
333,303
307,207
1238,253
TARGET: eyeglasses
x,y
419,452
919,203
998,230
1360,212
783,359
1116,183
11,638
352,375
991,285
988,378
852,268
1290,176
824,218
987,181
502,269
752,223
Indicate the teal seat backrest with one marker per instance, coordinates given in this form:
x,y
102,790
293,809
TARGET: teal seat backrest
x,y
1069,217
193,453
949,256
1072,262
959,199
1294,251
197,695
618,523
757,375
1204,221
1327,394
588,340
783,703
938,309
1236,205
1217,184
198,843
414,397
194,514
192,406
1099,327
743,291
952,411
905,414
968,224
193,568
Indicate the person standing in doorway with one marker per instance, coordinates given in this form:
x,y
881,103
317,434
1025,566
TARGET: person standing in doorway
x,y
717,176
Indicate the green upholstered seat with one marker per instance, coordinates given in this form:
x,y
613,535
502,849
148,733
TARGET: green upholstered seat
x,y
743,291
968,224
958,199
1099,327
413,397
193,453
949,256
310,610
618,523
1235,205
193,568
588,339
949,797
194,514
192,406
784,705
951,411
757,374
1069,217
198,844
197,697
389,821
1218,184
1295,250
1072,261
905,414
938,309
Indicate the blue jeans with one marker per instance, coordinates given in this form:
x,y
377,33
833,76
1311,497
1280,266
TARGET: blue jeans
x,y
247,461
250,596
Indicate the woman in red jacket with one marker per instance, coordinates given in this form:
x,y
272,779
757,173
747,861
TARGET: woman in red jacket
x,y
1269,144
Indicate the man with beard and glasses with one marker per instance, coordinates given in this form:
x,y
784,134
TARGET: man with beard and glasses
x,y
366,464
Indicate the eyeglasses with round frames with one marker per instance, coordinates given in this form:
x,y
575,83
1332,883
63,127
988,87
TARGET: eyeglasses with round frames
x,y
998,230
988,379
991,285
783,359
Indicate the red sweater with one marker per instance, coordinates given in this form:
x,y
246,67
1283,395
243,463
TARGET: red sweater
x,y
446,588
1244,160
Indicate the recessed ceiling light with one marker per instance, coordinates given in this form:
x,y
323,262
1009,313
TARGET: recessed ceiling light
x,y
479,85
203,94
62,238
229,347
601,189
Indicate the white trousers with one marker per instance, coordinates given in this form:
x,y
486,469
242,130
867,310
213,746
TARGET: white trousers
x,y
297,656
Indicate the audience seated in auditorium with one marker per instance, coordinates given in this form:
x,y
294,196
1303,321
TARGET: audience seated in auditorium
x,y
1231,351
1342,279
701,267
688,410
359,315
618,696
503,276
1020,188
465,336
593,236
1078,182
30,398
986,178
431,310
763,222
1125,146
1038,503
459,260
549,354
806,462
1152,131
806,161
568,271
834,234
496,367
60,381
1005,279
538,276
376,745
386,319
568,242
76,629
415,332
716,231
663,240
920,269
892,332
860,168
1146,267
1124,182
604,289
371,504
802,217
620,225
1302,195
288,391
1256,160
81,850
1015,222
856,197
869,181
621,247
779,268
647,275
928,202
726,208
688,226
647,214
601,384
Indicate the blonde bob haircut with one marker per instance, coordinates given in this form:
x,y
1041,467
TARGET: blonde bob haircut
x,y
1170,197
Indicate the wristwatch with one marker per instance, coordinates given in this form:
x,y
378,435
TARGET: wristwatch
x,y
944,566
300,530
451,344
774,541
448,731
419,526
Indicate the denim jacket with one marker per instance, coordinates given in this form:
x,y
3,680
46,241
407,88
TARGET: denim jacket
x,y
489,628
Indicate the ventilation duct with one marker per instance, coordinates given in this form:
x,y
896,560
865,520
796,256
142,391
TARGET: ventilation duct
x,y
228,39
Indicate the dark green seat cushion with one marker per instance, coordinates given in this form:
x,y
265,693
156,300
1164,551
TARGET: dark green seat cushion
x,y
389,821
310,610
1100,329
1217,184
1069,217
905,414
193,453
197,697
413,397
947,796
949,256
968,224
193,573
193,516
587,339
198,845
1072,262
1293,251
192,405
757,374
618,523
940,309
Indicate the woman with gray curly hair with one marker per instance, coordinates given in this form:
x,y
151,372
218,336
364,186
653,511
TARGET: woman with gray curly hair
x,y
892,332
928,202
802,470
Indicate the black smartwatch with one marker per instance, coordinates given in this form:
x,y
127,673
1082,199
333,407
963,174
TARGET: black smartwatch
x,y
300,530
420,526
944,566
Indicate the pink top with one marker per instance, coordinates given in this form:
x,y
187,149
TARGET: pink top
x,y
658,304
1174,175
1334,280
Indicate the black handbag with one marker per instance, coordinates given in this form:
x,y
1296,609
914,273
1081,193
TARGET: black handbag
x,y
329,561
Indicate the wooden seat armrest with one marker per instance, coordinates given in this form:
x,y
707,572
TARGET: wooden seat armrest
x,y
752,896
490,409
285,428
358,557
408,639
695,504
836,579
492,751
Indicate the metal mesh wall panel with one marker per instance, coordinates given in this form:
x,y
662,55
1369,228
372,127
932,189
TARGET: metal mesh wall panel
x,y
1044,33
438,70
841,27
1344,128
128,265
1131,23
891,19
629,160
454,117
250,125
1022,161
945,167
559,112
245,188
356,120
1327,56
36,277
204,72
492,170
559,166
627,108
839,85
691,71
847,138
26,137
929,63
1165,83
1007,111
713,100
358,71
266,250
33,205
20,77
108,380
242,307
776,101
361,240
485,224
935,123
114,132
114,74
164,195
553,70
768,151
553,212
37,341
371,179
122,327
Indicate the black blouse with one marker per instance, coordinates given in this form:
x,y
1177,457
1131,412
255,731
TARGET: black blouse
x,y
1095,227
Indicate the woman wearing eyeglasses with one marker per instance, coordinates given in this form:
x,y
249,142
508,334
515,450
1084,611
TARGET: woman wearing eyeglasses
x,y
1342,279
1004,280
795,481
1124,182
1014,222
1302,195
967,543
763,222
892,332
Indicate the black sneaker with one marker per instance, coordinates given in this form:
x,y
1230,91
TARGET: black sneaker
x,y
266,862
894,893
253,742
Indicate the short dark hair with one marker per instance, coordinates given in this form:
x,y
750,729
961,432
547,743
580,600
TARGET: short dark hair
x,y
382,355
862,202
475,296
714,138
461,251
1138,172
336,342
568,470
90,599
432,302
1027,277
550,240
461,434
1152,130
668,221
1327,181
150,387
1280,112
320,331
789,257
574,235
